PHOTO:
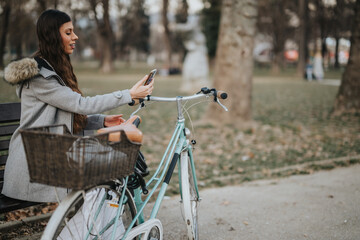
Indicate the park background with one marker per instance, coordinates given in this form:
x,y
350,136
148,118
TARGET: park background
x,y
279,122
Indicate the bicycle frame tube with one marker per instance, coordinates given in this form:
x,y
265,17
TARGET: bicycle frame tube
x,y
174,148
179,147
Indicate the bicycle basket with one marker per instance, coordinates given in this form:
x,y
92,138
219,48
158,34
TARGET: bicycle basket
x,y
57,158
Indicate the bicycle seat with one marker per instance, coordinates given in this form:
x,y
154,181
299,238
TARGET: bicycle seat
x,y
130,128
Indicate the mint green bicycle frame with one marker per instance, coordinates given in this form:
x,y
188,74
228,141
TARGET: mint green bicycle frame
x,y
178,143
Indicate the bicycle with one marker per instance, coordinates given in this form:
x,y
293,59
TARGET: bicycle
x,y
115,211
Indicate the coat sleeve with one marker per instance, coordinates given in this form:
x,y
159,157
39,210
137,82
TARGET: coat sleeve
x,y
53,93
95,122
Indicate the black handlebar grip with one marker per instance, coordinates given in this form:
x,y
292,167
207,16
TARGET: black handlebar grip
x,y
136,101
137,122
132,102
222,95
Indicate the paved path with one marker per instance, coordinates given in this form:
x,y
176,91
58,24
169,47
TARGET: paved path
x,y
321,206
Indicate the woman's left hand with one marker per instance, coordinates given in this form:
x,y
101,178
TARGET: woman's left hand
x,y
113,120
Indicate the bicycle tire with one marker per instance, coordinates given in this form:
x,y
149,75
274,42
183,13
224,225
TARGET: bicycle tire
x,y
190,199
71,220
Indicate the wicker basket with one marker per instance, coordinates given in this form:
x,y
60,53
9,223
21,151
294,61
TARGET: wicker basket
x,y
57,158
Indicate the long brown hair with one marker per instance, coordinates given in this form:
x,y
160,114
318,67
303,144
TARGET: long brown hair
x,y
51,48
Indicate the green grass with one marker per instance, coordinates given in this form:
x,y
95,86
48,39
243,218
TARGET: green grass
x,y
292,125
290,71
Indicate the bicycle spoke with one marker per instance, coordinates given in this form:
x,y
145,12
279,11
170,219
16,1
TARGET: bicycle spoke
x,y
92,216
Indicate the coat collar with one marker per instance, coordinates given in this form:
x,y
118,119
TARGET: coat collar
x,y
27,68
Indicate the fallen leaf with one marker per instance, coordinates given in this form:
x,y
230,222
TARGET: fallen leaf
x,y
225,203
240,170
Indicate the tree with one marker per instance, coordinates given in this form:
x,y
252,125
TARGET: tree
x,y
41,6
178,38
5,18
329,19
302,37
273,20
234,61
210,23
135,26
181,14
348,97
105,35
167,37
341,23
22,38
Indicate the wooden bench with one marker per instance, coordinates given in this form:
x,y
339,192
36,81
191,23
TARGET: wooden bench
x,y
9,121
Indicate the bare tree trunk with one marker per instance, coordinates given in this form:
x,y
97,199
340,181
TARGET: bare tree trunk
x,y
307,27
337,64
167,39
105,36
5,25
18,49
279,36
338,27
302,38
42,5
108,40
278,60
348,97
234,60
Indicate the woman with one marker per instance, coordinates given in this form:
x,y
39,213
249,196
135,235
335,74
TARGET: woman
x,y
50,95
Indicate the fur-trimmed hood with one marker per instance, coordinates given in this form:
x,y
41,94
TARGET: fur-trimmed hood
x,y
21,70
27,68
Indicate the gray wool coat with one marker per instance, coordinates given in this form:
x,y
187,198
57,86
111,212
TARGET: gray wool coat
x,y
45,100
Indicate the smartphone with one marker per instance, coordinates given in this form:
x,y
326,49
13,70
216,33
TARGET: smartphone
x,y
150,77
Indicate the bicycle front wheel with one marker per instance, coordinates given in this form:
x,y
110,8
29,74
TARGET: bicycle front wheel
x,y
91,215
190,199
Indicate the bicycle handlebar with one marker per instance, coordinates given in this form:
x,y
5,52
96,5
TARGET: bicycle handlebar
x,y
203,92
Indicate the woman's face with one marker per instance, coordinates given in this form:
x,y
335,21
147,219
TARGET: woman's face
x,y
68,37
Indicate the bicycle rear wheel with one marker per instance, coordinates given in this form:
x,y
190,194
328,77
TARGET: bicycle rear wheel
x,y
91,215
190,199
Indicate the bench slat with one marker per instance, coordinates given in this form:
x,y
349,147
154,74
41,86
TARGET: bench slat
x,y
6,130
9,204
1,177
4,144
10,112
3,159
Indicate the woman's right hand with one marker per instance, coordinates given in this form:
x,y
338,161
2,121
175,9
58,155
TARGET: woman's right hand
x,y
141,91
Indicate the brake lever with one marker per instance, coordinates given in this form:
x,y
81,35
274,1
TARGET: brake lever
x,y
221,105
141,105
